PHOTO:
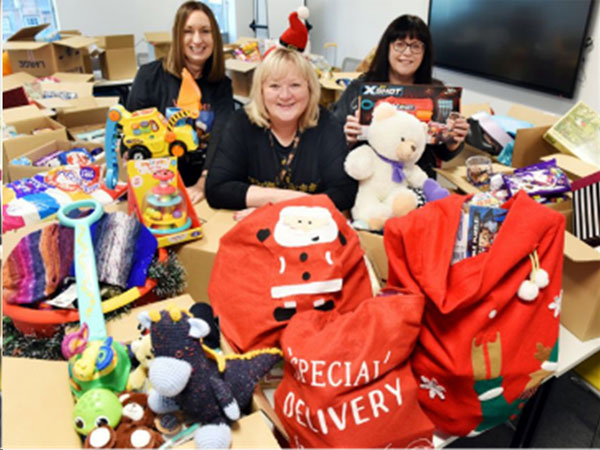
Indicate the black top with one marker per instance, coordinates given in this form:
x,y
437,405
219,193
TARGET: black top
x,y
347,106
248,154
155,87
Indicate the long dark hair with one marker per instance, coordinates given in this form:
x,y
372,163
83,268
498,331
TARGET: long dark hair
x,y
214,68
401,28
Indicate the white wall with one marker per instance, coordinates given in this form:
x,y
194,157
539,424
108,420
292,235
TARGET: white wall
x,y
94,18
355,25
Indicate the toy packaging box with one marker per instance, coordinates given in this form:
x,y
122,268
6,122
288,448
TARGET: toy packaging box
x,y
430,104
158,196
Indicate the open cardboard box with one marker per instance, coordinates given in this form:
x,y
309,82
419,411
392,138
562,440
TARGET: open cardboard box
x,y
27,120
117,57
19,171
331,88
45,58
241,73
529,145
74,85
198,257
580,308
39,391
158,43
13,89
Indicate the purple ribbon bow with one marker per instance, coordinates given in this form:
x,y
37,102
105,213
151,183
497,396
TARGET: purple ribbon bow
x,y
397,168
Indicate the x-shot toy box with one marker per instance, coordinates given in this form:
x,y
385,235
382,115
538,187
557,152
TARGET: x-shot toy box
x,y
430,104
158,196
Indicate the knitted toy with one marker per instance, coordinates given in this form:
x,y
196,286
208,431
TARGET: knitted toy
x,y
391,183
208,387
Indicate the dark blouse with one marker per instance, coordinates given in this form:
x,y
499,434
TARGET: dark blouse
x,y
155,87
250,155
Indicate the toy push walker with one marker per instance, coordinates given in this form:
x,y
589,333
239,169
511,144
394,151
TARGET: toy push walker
x,y
164,209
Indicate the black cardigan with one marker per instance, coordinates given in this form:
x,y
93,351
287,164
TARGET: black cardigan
x,y
155,87
247,155
347,106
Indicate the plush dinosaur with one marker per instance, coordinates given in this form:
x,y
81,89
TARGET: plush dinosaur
x,y
186,375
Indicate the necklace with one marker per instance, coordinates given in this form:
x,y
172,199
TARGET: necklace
x,y
284,176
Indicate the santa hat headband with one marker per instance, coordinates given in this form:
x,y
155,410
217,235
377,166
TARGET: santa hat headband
x,y
296,36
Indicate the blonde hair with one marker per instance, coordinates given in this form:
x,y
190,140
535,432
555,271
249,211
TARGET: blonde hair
x,y
274,66
214,68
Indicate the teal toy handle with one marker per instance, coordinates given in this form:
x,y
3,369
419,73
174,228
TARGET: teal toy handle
x,y
88,290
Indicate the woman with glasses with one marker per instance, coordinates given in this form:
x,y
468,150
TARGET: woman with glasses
x,y
404,56
282,145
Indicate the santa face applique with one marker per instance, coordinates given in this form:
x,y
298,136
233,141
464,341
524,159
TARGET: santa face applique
x,y
305,242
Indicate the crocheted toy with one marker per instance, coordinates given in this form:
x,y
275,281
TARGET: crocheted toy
x,y
391,183
208,387
141,350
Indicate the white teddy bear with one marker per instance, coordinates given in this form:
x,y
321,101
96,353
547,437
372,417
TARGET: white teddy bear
x,y
387,168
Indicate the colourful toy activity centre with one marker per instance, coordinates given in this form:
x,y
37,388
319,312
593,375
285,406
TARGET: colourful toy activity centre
x,y
300,224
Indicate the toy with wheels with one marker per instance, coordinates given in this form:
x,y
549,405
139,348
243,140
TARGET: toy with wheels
x,y
164,208
147,134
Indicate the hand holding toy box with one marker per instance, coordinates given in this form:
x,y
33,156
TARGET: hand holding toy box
x,y
438,106
160,200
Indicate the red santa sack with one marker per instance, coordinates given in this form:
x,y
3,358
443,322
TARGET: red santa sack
x,y
285,258
347,380
483,349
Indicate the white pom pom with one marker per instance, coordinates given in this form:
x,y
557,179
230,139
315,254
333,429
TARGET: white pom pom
x,y
302,12
496,182
541,278
528,291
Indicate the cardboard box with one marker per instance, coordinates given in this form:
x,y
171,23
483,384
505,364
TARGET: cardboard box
x,y
117,58
580,308
13,90
332,88
27,119
27,55
45,58
529,145
458,177
159,44
39,390
18,171
241,73
73,54
198,257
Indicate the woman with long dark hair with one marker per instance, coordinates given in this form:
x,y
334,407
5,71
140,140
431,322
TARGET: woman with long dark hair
x,y
404,56
197,46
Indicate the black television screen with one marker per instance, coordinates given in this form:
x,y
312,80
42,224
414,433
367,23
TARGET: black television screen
x,y
537,44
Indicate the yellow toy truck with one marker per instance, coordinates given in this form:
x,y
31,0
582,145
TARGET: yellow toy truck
x,y
148,134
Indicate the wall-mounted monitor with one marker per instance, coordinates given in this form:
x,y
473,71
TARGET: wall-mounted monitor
x,y
537,44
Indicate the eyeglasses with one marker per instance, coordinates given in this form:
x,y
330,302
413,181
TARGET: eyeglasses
x,y
416,48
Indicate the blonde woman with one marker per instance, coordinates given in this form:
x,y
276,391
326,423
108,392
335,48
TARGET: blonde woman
x,y
282,144
197,46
